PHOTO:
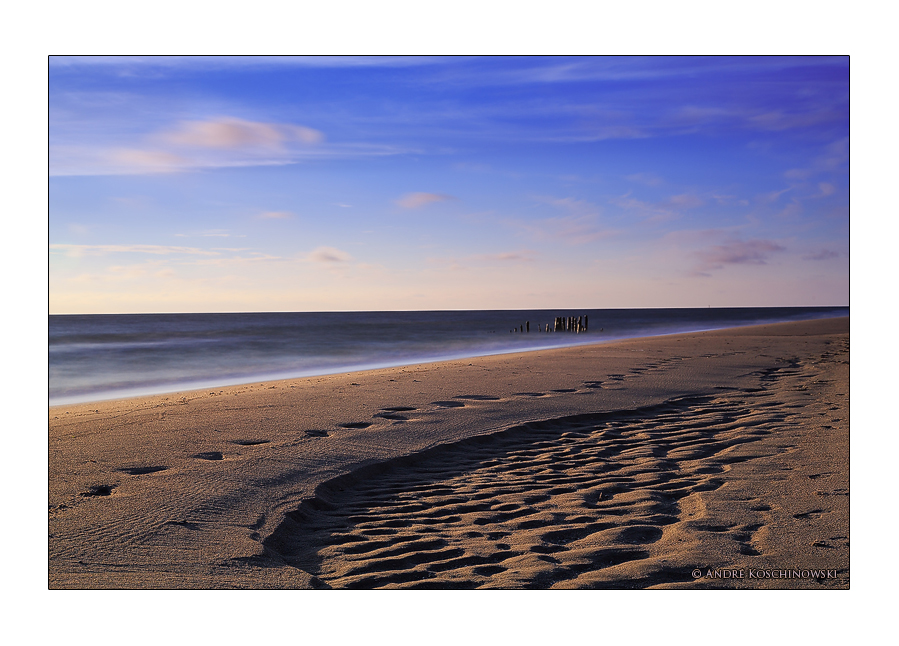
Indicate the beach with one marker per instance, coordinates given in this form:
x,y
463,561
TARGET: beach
x,y
704,460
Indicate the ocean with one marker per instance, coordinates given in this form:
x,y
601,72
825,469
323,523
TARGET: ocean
x,y
108,356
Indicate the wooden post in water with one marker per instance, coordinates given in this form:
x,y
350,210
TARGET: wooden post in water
x,y
528,323
585,322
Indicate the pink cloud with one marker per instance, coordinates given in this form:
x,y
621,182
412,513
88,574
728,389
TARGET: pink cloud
x,y
232,133
417,200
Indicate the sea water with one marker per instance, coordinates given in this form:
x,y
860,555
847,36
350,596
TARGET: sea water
x,y
95,357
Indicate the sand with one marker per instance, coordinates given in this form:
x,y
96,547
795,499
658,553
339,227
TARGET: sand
x,y
707,460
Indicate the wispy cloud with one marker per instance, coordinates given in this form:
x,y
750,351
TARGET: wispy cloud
x,y
329,256
499,259
150,64
749,252
418,200
824,254
684,201
659,211
831,157
254,257
581,225
78,250
217,142
218,233
220,141
647,179
274,215
211,233
779,120
229,133
772,196
525,255
149,161
826,189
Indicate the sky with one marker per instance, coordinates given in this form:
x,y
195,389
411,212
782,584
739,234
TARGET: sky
x,y
217,184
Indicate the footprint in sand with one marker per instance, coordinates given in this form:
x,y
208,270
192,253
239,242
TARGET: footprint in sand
x,y
355,425
209,455
478,397
99,490
393,416
448,404
139,471
250,442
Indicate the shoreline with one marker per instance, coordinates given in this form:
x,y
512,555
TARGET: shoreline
x,y
139,392
229,486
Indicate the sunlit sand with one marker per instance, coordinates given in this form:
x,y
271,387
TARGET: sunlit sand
x,y
706,460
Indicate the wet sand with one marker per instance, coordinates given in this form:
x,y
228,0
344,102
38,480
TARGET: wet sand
x,y
638,464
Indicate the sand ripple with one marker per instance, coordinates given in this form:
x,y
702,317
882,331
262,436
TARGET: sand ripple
x,y
534,506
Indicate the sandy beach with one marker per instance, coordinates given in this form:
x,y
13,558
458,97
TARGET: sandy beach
x,y
705,460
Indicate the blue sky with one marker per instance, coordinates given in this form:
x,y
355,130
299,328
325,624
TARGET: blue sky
x,y
305,184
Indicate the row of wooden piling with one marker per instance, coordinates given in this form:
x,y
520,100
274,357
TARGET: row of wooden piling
x,y
576,324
